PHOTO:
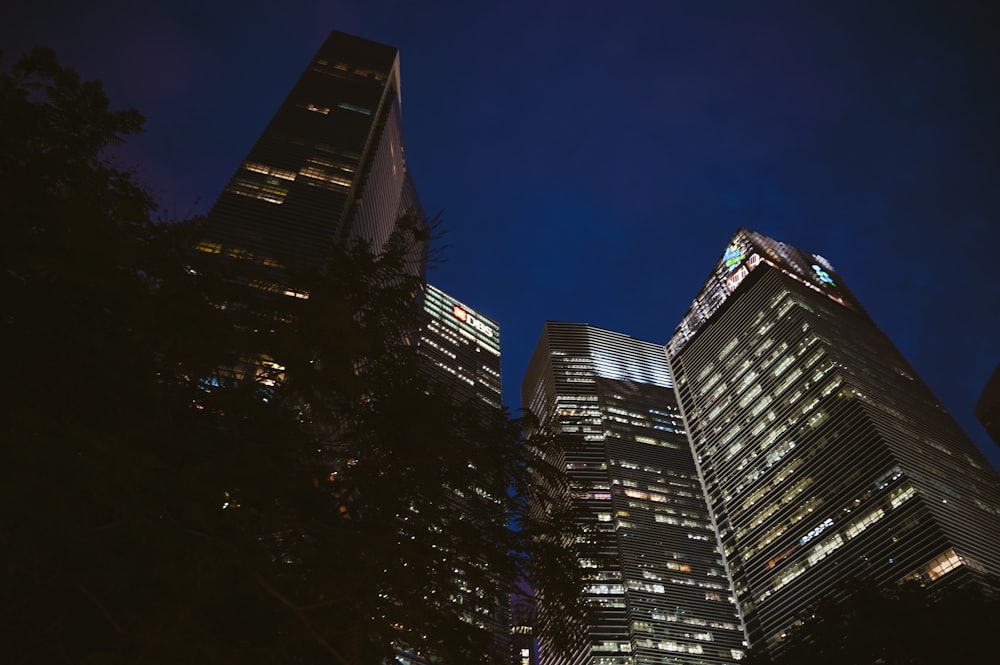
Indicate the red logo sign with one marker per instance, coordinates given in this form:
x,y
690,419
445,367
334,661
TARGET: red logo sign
x,y
459,313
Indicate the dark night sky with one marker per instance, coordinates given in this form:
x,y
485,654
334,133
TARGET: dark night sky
x,y
592,161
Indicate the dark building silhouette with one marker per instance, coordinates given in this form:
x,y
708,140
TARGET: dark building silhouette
x,y
329,166
523,618
988,406
823,454
657,587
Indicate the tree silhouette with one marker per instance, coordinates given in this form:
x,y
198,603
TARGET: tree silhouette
x,y
157,509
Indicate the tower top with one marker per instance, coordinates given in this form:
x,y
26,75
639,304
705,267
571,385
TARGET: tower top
x,y
746,251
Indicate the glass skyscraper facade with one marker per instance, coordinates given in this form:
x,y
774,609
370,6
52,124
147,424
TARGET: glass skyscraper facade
x,y
461,350
462,347
657,585
823,454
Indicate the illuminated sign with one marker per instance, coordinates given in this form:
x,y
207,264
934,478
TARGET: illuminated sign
x,y
823,275
732,257
464,316
815,532
740,273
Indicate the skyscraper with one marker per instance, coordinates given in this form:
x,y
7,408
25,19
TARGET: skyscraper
x,y
462,347
461,350
988,406
329,166
823,454
657,586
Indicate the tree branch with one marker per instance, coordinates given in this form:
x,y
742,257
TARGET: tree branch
x,y
100,606
297,611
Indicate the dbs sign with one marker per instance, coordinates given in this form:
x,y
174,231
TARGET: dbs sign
x,y
465,317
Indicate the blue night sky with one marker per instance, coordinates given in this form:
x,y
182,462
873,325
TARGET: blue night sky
x,y
592,161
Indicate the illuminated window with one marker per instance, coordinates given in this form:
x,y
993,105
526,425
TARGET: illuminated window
x,y
352,107
822,550
209,247
940,566
788,575
270,188
901,494
254,167
859,525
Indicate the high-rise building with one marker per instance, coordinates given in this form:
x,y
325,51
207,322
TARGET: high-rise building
x,y
988,406
823,454
462,347
329,166
524,648
657,585
461,350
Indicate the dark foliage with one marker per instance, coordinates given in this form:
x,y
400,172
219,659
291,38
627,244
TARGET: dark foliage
x,y
862,624
155,510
